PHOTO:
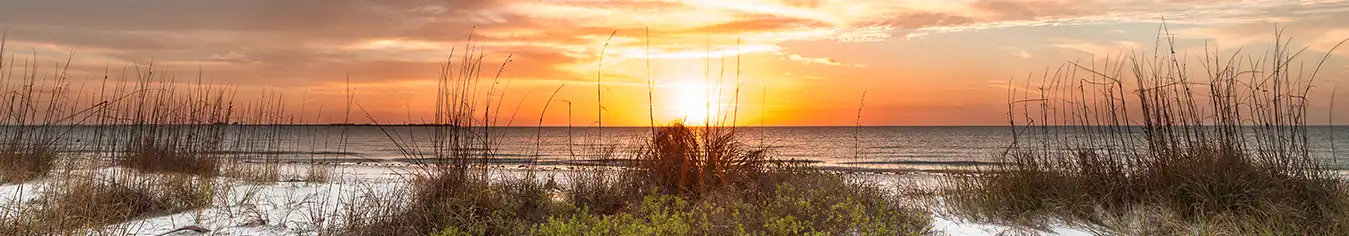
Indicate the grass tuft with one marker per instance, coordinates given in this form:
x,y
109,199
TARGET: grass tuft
x,y
1222,153
693,161
24,162
156,157
80,203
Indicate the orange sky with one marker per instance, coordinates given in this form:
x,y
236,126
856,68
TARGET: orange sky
x,y
800,62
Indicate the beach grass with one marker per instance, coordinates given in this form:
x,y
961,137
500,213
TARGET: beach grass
x,y
82,203
26,162
141,145
1157,148
682,180
1138,145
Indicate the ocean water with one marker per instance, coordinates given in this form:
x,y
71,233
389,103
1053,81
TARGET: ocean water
x,y
859,147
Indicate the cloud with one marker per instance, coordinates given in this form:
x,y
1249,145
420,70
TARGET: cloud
x,y
820,61
988,14
1329,39
295,42
758,23
241,15
203,29
1314,32
1098,48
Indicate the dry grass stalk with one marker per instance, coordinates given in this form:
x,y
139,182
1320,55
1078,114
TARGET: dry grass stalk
x,y
1223,149
21,163
79,203
693,161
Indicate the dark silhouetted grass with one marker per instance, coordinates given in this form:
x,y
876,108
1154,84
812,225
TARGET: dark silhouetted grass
x,y
689,161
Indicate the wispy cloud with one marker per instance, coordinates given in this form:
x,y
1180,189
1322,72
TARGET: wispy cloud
x,y
300,44
820,61
1017,51
1098,48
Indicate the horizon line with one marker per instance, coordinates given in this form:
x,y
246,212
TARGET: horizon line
x,y
633,126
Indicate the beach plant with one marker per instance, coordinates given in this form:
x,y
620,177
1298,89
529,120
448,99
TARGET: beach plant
x,y
140,145
693,161
88,202
25,162
33,106
167,127
683,180
803,203
1220,144
449,185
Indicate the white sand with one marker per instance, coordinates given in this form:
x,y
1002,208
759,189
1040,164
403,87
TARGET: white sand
x,y
954,225
13,195
300,208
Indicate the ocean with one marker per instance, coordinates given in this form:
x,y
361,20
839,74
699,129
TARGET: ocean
x,y
849,147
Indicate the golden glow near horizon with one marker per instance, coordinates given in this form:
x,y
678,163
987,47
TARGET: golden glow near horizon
x,y
692,102
793,62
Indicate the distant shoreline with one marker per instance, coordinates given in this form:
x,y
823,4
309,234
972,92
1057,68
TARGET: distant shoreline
x,y
623,127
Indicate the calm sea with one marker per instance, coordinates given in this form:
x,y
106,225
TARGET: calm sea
x,y
862,147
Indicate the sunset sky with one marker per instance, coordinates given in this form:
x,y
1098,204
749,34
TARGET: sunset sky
x,y
801,62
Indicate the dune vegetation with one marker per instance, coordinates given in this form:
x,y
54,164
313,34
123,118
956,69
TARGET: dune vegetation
x,y
1161,146
1165,149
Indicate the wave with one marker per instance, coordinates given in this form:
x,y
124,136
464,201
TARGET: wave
x,y
926,163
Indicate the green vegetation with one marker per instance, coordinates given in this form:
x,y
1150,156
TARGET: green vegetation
x,y
804,202
823,204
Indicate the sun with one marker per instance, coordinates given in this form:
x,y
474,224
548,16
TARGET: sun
x,y
692,102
